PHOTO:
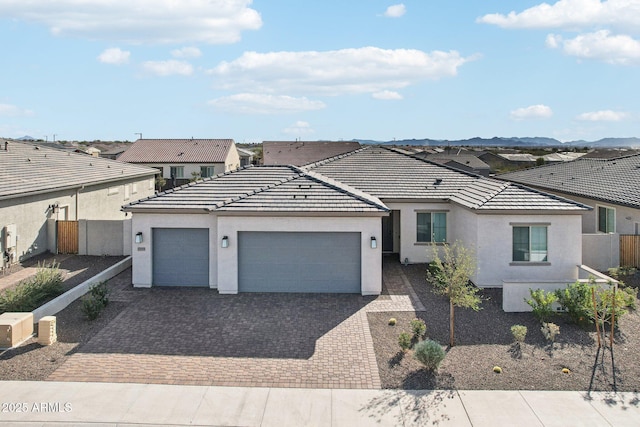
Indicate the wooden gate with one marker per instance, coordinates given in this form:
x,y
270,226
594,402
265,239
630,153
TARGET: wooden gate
x,y
67,237
630,250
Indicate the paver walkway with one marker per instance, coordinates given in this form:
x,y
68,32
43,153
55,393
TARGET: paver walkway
x,y
198,337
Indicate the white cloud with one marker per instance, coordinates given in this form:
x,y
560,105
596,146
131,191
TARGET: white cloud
x,y
186,52
395,11
9,110
571,14
140,21
114,56
538,111
299,128
603,116
386,95
337,72
168,68
252,103
601,45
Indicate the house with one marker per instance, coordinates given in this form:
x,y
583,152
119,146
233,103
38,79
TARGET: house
x,y
300,153
461,161
40,185
610,186
246,156
182,160
324,227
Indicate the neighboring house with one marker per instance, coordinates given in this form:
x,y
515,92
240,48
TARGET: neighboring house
x,y
300,153
611,187
324,227
464,162
39,185
246,156
559,157
181,160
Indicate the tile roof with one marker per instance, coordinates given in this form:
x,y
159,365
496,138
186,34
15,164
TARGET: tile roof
x,y
26,168
615,180
178,151
468,160
263,189
300,153
391,175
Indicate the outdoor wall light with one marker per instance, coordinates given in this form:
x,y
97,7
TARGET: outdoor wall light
x,y
139,237
374,242
225,242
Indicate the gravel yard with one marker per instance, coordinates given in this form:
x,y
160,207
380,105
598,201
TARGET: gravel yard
x,y
484,340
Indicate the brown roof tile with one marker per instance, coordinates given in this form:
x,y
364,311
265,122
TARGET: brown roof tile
x,y
300,153
178,151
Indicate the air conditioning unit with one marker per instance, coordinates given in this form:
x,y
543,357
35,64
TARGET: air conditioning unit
x,y
15,328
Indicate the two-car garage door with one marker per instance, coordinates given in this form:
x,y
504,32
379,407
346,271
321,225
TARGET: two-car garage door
x,y
315,262
299,262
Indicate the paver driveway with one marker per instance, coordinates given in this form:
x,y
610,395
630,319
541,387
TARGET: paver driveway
x,y
196,336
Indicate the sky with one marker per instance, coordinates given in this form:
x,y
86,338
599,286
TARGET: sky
x,y
319,70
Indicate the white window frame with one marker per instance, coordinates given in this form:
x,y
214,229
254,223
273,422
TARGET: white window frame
x,y
607,209
432,214
177,169
113,190
530,251
213,171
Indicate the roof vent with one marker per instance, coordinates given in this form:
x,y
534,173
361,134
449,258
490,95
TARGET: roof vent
x,y
438,181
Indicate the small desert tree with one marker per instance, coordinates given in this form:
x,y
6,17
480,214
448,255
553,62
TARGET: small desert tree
x,y
450,276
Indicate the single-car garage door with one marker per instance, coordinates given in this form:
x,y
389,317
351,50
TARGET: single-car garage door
x,y
299,262
181,257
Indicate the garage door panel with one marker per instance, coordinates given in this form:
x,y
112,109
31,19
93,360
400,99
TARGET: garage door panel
x,y
181,257
299,262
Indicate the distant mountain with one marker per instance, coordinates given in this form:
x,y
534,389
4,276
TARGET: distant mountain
x,y
26,138
512,142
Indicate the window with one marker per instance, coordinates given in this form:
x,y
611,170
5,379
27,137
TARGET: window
x,y
530,243
431,227
126,191
606,219
113,190
207,171
177,171
134,188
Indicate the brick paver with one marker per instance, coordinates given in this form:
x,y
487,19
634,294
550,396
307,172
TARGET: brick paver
x,y
198,337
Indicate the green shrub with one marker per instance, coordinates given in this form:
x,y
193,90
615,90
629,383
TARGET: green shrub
x,y
101,293
393,321
404,341
429,353
95,301
541,302
625,300
576,300
418,327
550,331
519,333
31,293
91,308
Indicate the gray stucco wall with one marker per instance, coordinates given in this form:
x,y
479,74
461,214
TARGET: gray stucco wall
x,y
33,217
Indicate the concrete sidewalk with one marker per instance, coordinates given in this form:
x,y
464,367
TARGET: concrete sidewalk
x,y
50,403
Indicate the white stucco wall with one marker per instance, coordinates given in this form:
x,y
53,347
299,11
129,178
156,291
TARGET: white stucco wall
x,y
494,250
410,249
489,236
371,274
142,254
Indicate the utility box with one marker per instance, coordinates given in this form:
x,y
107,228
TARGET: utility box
x,y
10,236
47,330
15,328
